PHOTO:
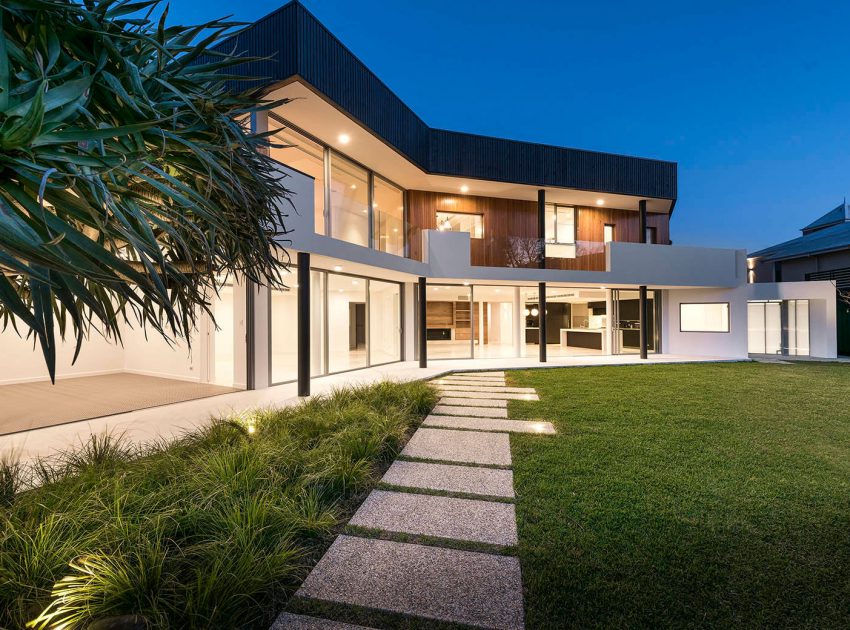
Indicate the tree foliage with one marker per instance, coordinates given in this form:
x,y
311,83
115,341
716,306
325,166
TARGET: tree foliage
x,y
129,185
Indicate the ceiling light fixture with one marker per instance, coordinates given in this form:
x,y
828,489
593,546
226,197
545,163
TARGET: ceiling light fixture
x,y
337,268
600,202
344,138
464,189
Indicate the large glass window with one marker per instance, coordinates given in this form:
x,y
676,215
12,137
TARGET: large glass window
x,y
388,217
460,222
347,330
778,327
384,322
306,156
626,321
709,317
283,311
349,215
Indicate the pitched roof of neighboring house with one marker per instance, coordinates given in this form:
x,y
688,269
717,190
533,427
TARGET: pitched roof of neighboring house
x,y
840,214
828,233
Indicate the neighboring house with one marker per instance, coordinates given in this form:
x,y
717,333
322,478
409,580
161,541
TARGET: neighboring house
x,y
821,253
414,243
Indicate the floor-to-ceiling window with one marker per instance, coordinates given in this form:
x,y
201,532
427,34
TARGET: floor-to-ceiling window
x,y
778,327
576,322
307,156
283,322
348,332
351,202
449,321
388,217
355,322
626,321
384,322
349,197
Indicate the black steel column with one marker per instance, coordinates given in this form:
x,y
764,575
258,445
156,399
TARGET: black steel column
x,y
644,316
423,331
303,324
642,212
541,337
541,228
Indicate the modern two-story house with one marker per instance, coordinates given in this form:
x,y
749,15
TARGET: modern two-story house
x,y
416,244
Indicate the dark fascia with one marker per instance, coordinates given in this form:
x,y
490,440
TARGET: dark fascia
x,y
293,44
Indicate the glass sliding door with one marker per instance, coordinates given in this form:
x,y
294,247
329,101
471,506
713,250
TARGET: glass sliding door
x,y
576,321
778,327
308,157
347,323
626,321
384,322
283,322
449,322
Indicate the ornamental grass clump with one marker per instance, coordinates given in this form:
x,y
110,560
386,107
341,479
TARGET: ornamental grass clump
x,y
214,530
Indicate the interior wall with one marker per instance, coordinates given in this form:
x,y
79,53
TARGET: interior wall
x,y
22,362
153,356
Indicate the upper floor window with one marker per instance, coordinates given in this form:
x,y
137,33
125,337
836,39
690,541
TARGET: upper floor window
x,y
458,222
608,233
651,235
560,224
306,156
388,217
349,196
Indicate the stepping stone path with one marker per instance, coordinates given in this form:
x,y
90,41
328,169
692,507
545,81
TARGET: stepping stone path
x,y
452,486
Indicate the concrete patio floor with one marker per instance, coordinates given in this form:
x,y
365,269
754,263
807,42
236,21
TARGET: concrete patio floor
x,y
167,421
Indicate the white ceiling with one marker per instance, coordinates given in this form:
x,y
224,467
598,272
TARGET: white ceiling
x,y
314,114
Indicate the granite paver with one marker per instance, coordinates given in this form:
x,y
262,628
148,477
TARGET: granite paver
x,y
489,424
460,446
468,587
479,412
493,482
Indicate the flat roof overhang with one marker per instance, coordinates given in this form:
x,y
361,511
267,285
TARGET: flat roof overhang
x,y
294,46
310,111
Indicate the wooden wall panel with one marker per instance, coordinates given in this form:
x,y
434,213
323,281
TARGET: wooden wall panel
x,y
505,218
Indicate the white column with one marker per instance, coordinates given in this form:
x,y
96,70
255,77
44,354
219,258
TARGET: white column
x,y
409,323
609,322
262,325
519,323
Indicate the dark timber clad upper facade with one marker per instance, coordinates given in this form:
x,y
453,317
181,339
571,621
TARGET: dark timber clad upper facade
x,y
298,46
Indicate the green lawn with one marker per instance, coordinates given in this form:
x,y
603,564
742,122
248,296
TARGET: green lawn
x,y
686,495
215,530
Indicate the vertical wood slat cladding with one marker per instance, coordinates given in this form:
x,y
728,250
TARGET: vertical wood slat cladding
x,y
504,218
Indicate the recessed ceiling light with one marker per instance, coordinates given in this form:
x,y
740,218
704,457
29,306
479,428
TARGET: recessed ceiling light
x,y
337,268
354,282
353,186
344,138
464,189
395,229
466,284
600,202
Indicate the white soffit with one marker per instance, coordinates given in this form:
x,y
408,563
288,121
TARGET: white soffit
x,y
311,112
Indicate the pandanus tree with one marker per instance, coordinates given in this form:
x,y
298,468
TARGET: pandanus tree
x,y
130,182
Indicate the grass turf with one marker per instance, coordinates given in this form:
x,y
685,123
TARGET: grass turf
x,y
713,495
215,530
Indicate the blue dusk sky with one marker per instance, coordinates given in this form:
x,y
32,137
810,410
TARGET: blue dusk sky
x,y
751,99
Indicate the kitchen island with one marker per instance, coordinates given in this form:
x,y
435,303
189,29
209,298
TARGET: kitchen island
x,y
588,338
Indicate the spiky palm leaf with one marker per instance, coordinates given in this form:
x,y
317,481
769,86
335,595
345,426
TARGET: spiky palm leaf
x,y
128,182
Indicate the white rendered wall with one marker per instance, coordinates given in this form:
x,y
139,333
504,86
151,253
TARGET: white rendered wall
x,y
705,344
